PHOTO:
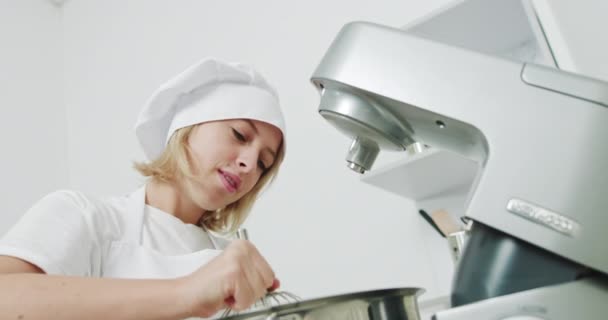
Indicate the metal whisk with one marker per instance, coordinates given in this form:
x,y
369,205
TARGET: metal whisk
x,y
272,298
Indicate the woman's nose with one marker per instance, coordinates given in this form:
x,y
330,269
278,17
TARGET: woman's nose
x,y
247,161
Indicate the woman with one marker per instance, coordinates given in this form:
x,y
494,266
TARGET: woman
x,y
214,135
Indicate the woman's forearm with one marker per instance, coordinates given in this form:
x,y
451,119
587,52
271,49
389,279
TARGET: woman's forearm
x,y
37,296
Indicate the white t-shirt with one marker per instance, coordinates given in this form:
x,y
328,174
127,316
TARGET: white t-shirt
x,y
68,233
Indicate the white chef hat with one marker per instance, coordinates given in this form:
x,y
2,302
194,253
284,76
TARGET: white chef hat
x,y
206,91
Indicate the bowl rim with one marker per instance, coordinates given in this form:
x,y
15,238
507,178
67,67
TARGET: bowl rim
x,y
369,295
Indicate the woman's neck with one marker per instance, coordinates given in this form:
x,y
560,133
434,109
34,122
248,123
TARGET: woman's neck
x,y
169,198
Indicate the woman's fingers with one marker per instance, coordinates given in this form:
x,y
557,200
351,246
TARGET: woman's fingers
x,y
260,272
264,275
253,276
276,284
244,294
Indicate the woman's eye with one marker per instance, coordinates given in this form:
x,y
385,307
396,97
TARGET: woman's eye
x,y
261,165
238,135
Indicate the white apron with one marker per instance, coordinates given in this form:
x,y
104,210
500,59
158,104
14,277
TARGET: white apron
x,y
127,258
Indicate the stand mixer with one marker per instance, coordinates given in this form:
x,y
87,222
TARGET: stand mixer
x,y
538,247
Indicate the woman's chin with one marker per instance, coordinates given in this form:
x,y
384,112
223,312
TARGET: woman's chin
x,y
211,205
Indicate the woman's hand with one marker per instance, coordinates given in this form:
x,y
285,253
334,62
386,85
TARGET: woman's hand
x,y
236,278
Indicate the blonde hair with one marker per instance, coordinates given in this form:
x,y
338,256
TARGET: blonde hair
x,y
174,164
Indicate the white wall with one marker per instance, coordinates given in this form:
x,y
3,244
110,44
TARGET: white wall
x,y
323,231
576,31
32,116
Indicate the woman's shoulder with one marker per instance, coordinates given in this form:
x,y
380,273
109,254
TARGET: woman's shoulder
x,y
65,195
104,213
81,200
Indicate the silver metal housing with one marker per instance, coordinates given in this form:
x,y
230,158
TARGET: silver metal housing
x,y
370,126
543,141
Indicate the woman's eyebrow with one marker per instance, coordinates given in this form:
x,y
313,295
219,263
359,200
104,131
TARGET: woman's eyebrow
x,y
274,154
252,125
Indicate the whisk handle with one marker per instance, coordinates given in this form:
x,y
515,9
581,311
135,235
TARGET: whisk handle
x,y
241,233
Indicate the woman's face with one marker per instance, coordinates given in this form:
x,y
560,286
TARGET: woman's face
x,y
229,157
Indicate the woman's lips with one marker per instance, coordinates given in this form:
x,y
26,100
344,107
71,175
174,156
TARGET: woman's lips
x,y
230,181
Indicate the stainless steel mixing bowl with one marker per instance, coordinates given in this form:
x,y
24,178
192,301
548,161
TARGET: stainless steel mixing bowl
x,y
387,304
